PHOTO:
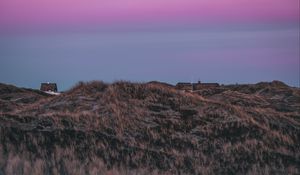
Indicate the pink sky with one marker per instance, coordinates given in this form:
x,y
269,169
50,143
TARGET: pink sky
x,y
192,37
57,12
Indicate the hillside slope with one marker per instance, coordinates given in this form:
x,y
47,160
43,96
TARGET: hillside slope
x,y
131,128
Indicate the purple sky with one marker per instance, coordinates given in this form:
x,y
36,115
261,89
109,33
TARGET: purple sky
x,y
225,41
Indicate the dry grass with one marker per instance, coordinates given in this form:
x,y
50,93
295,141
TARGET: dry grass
x,y
134,128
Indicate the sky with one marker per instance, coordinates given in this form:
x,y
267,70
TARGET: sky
x,y
224,41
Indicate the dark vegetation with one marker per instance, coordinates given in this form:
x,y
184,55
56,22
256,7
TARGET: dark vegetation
x,y
131,128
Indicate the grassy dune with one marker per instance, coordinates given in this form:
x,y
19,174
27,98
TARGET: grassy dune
x,y
150,128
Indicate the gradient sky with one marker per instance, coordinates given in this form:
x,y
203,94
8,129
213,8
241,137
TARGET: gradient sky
x,y
225,41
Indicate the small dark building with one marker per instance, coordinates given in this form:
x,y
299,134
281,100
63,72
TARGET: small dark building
x,y
195,86
199,85
49,87
184,86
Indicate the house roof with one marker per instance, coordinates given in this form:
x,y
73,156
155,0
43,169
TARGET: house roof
x,y
183,83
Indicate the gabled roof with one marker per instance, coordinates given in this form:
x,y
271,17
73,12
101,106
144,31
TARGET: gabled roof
x,y
183,83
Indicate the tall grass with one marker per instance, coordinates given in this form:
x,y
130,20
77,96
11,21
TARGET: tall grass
x,y
134,128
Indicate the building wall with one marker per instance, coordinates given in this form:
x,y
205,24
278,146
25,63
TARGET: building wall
x,y
197,86
48,87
